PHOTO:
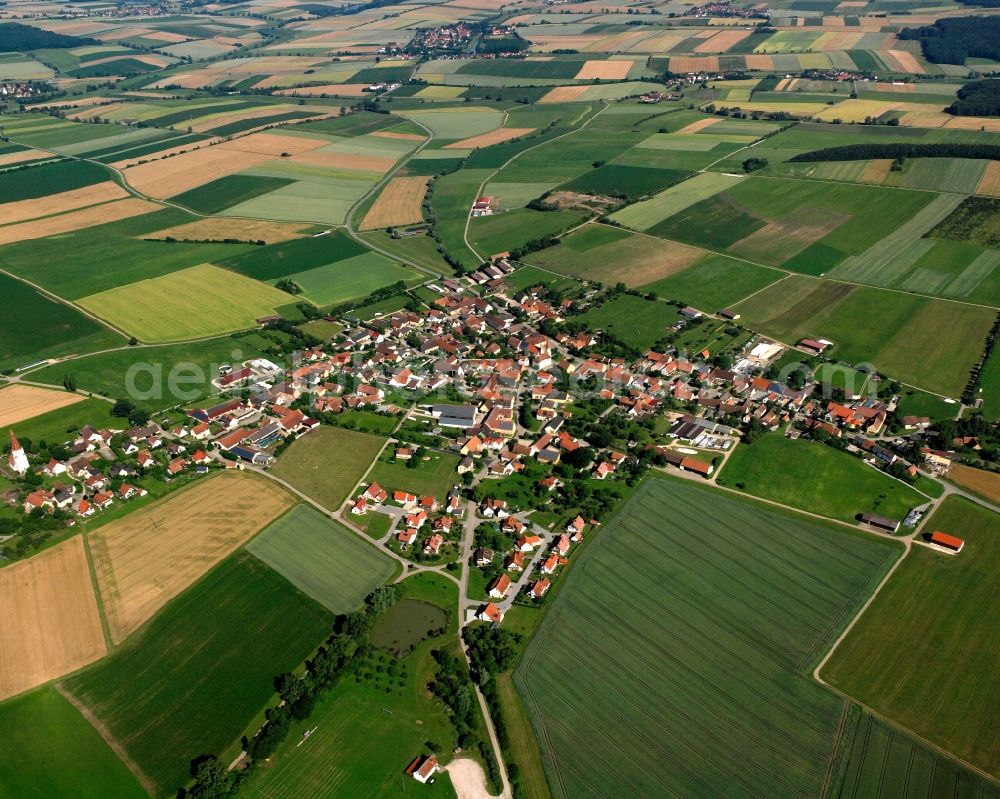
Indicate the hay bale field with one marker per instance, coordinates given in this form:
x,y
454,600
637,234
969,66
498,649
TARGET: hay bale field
x,y
20,402
76,220
398,204
147,558
192,303
61,202
50,625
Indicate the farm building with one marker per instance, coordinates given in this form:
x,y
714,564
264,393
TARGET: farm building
x,y
949,542
882,522
423,768
813,346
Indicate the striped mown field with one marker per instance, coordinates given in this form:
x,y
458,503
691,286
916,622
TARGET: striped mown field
x,y
678,663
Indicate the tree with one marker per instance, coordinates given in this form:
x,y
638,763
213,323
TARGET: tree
x,y
211,779
69,383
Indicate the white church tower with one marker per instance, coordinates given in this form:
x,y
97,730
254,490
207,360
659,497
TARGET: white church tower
x,y
17,461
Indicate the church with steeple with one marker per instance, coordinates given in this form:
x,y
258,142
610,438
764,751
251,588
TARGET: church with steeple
x,y
17,460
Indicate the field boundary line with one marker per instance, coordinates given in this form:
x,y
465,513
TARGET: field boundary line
x,y
939,750
109,739
499,169
102,614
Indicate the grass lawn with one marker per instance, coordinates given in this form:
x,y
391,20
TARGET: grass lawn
x,y
367,730
322,558
635,320
924,654
431,477
689,653
327,464
193,303
51,750
191,681
816,478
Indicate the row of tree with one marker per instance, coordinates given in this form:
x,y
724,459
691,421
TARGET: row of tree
x,y
901,150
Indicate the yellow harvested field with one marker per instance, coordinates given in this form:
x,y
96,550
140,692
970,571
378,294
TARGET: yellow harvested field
x,y
218,227
563,94
856,110
388,134
876,171
19,402
158,61
165,36
49,622
685,63
170,176
990,125
75,220
398,204
986,484
759,61
20,157
701,124
127,163
150,556
486,139
274,144
607,70
342,89
722,41
989,183
60,203
907,61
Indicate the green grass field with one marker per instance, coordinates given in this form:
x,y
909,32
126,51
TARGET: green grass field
x,y
668,202
190,682
193,303
217,196
350,279
458,123
678,663
326,464
512,229
928,343
433,477
637,321
298,255
61,425
816,478
45,179
44,261
714,282
51,750
320,557
151,386
925,651
364,734
884,763
34,326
